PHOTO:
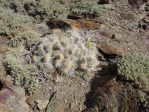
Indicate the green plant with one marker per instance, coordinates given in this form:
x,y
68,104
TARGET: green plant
x,y
12,23
70,52
39,10
54,9
45,9
34,59
143,98
24,74
134,67
25,38
86,8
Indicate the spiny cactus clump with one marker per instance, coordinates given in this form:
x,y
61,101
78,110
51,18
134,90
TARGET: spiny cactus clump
x,y
134,68
68,53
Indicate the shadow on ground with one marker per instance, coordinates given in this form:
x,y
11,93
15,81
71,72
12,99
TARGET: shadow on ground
x,y
108,94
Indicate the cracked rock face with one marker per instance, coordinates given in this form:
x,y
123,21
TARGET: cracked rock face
x,y
12,98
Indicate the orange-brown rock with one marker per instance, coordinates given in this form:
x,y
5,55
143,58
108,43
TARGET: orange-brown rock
x,y
88,24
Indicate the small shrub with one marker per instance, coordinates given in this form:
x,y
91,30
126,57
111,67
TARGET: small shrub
x,y
45,9
16,5
143,98
86,8
24,74
134,68
12,23
39,10
25,38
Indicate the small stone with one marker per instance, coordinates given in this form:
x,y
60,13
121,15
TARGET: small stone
x,y
30,100
42,104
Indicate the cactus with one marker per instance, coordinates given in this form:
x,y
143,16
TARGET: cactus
x,y
37,59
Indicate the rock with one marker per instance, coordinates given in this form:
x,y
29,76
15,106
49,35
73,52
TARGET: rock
x,y
57,107
136,3
12,98
88,24
107,48
75,16
30,100
54,24
103,2
144,24
42,104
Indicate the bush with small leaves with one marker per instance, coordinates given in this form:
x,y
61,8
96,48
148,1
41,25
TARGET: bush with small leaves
x,y
15,5
134,67
143,97
86,8
39,10
24,74
25,38
12,23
